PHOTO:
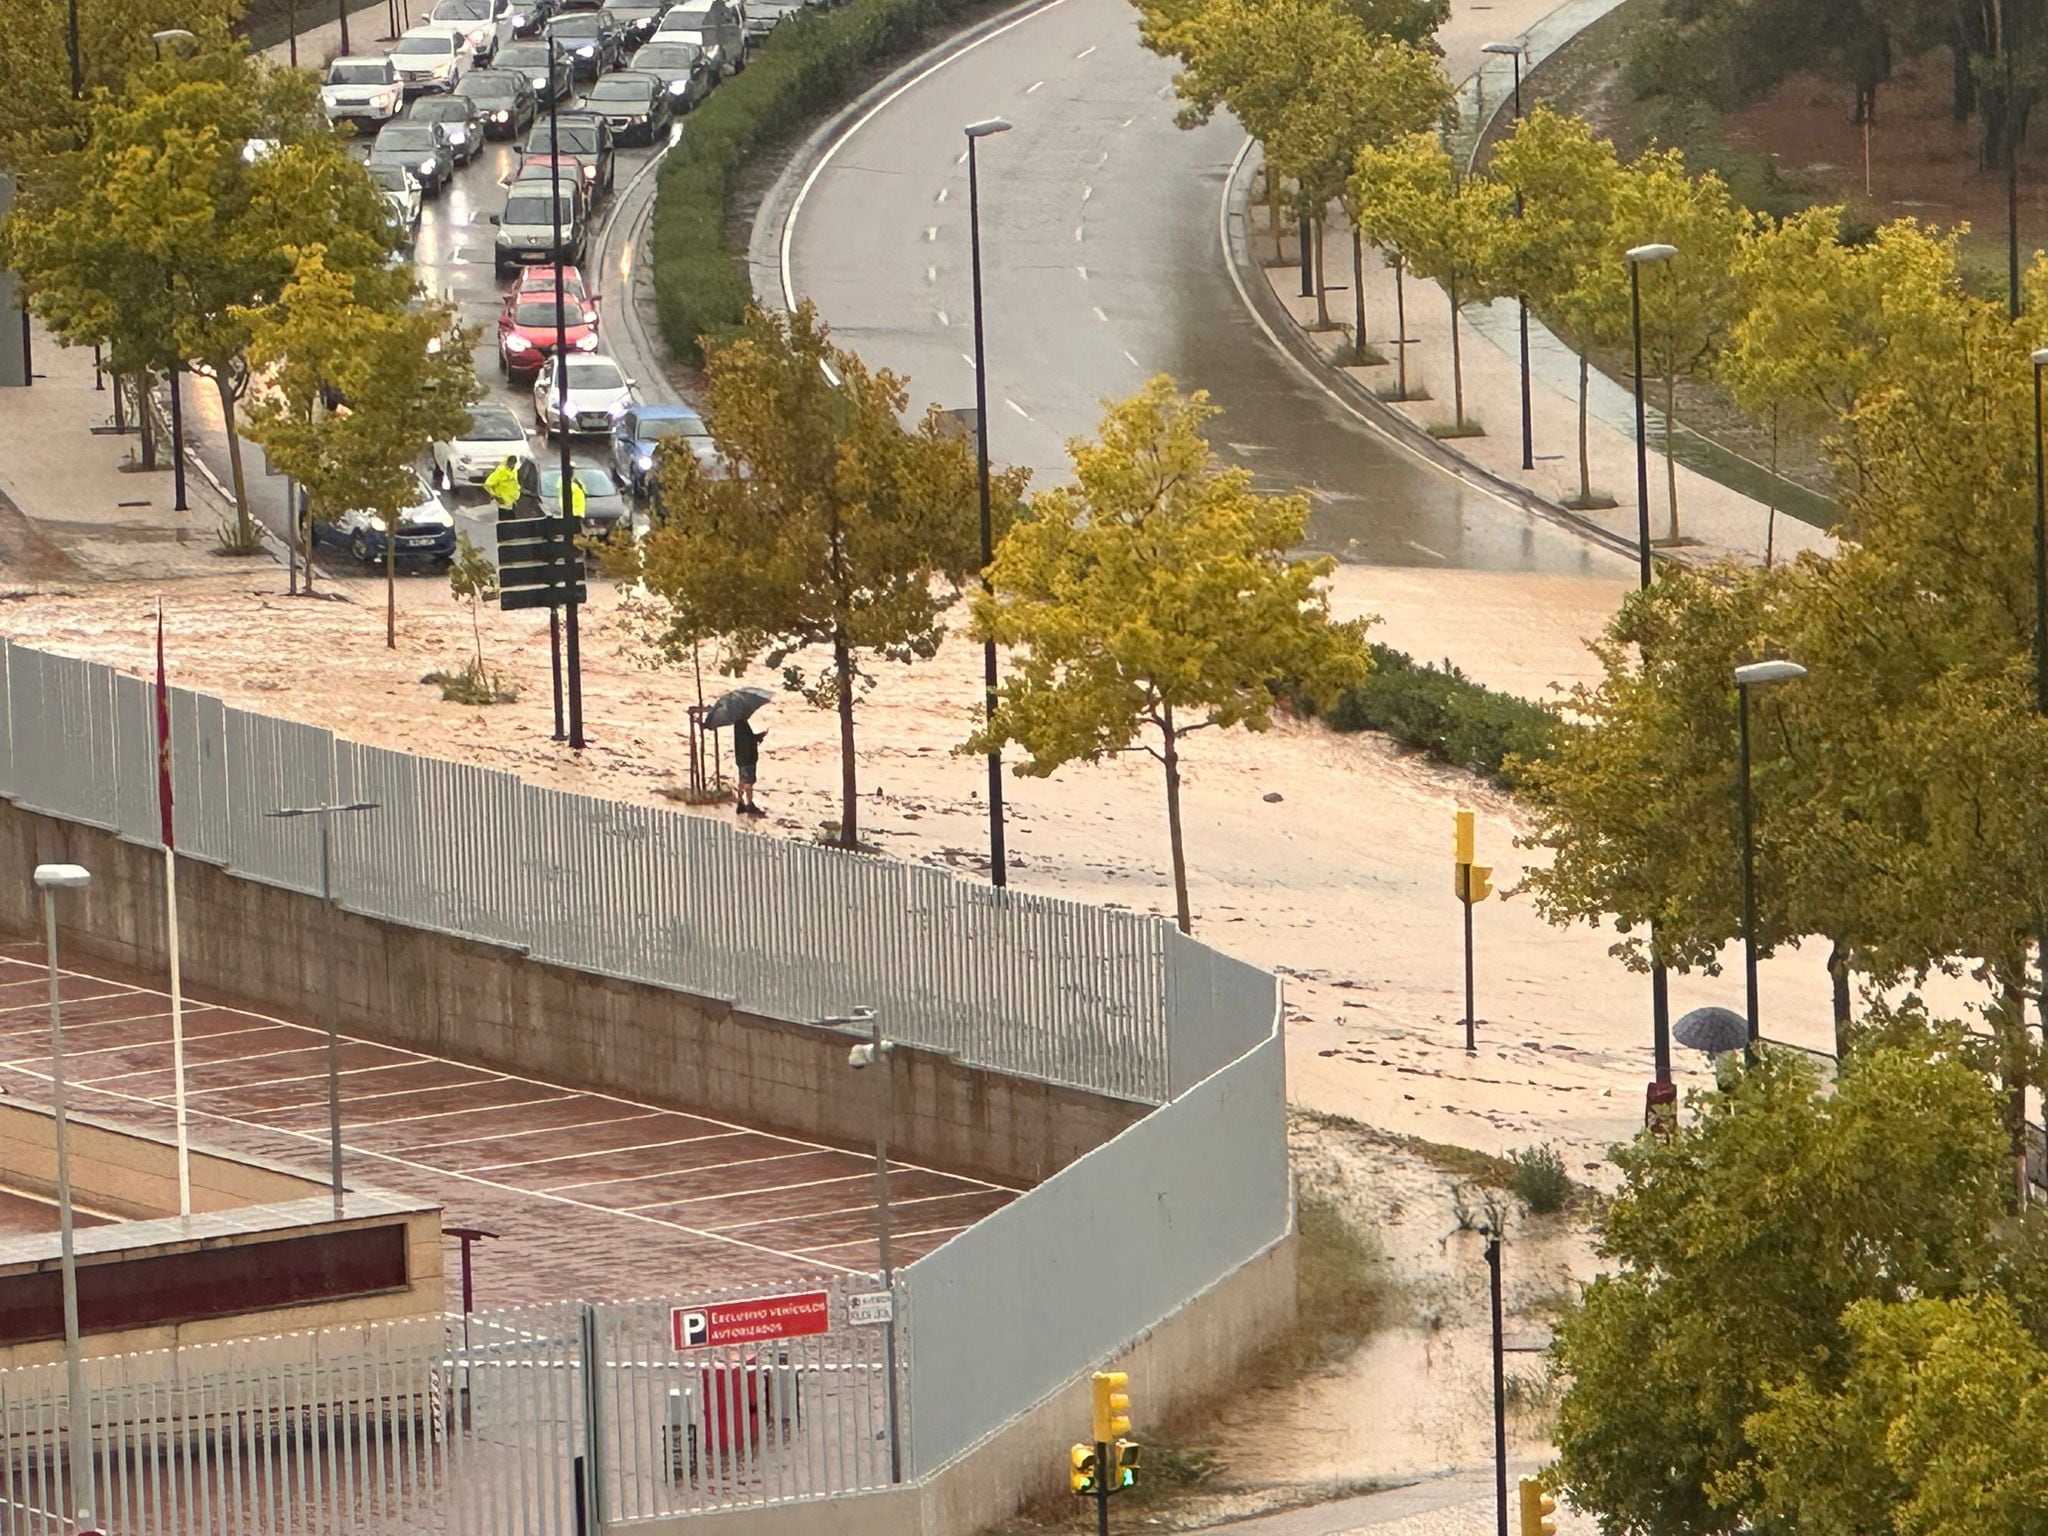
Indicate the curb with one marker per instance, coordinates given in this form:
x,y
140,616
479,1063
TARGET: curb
x,y
196,461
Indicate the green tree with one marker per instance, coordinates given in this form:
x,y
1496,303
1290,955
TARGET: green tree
x,y
827,525
406,387
1153,598
1567,180
1734,1251
472,579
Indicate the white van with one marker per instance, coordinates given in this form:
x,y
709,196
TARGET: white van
x,y
717,26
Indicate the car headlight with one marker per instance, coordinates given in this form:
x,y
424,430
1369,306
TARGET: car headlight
x,y
501,117
677,87
590,172
644,462
586,51
514,342
428,164
586,344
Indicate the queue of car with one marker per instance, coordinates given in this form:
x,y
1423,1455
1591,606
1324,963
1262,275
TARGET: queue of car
x,y
477,70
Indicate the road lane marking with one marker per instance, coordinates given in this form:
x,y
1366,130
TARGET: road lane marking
x,y
1013,405
1086,192
931,233
967,358
1084,273
1100,315
931,274
942,195
1077,233
942,317
1030,88
1132,360
1085,51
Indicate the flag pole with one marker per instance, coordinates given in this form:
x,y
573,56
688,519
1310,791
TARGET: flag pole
x,y
163,731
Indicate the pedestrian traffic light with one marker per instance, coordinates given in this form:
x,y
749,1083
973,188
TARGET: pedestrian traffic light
x,y
1126,1465
1082,1475
1112,1406
1537,1508
1462,836
1474,883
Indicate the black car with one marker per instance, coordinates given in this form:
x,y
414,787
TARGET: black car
x,y
505,99
529,16
588,138
533,61
460,118
681,68
590,39
634,103
636,19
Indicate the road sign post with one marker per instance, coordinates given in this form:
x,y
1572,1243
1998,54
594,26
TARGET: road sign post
x,y
1472,883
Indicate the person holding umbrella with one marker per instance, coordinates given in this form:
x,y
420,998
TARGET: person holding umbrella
x,y
737,709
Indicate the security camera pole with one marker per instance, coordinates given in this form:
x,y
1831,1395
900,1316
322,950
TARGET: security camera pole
x,y
876,1053
50,879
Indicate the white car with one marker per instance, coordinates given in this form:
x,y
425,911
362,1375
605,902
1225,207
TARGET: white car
x,y
599,392
426,530
494,436
365,90
486,23
429,57
401,190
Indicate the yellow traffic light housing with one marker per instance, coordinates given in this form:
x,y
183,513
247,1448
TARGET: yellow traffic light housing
x,y
1537,1508
1127,1453
1083,1472
1112,1406
1474,883
1462,837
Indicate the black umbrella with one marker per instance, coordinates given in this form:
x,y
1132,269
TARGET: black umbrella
x,y
731,708
1713,1030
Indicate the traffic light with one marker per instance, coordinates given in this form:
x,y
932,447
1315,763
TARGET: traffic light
x,y
1082,1475
1474,882
1126,1465
1537,1508
1462,836
1112,1406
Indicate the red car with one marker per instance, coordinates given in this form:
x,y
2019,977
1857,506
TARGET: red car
x,y
526,328
534,280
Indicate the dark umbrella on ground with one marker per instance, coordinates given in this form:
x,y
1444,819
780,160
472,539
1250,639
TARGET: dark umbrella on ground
x,y
740,704
1713,1030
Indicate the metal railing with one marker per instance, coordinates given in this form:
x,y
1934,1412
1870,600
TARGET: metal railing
x,y
1109,1001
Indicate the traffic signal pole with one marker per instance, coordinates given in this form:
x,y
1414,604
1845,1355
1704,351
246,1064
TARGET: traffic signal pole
x,y
568,483
1102,1482
1500,1396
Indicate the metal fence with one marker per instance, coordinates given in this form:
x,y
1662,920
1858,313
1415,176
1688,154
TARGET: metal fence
x,y
483,1426
1109,1001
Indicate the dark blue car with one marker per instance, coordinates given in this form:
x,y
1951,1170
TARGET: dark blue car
x,y
637,431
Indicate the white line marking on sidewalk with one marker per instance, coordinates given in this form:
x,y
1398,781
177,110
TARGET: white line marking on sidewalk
x,y
942,195
1030,88
967,358
1013,405
1085,51
1132,360
1100,315
1078,228
943,318
1084,273
931,233
931,274
1086,192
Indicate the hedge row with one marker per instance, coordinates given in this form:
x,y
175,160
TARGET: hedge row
x,y
1444,713
809,64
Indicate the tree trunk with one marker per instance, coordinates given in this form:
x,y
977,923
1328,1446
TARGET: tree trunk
x,y
1170,754
302,533
1962,82
849,789
145,419
1585,465
1400,333
1457,358
1315,228
2009,1028
1670,464
243,532
391,584
1358,293
1273,212
1838,974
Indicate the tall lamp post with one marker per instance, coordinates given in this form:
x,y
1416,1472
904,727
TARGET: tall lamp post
x,y
50,879
566,501
1660,987
999,873
1757,674
2040,360
876,1053
1514,51
326,814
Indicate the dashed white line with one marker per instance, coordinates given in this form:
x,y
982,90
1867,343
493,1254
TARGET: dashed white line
x,y
1077,233
1030,88
1013,405
931,274
942,195
1100,315
1086,192
943,319
1085,51
1084,273
967,358
962,160
931,233
1132,360
1127,122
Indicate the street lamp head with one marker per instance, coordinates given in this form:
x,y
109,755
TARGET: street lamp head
x,y
1758,673
1512,49
983,129
2041,357
1646,253
62,877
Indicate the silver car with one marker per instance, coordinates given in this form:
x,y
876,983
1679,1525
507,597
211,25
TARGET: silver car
x,y
493,436
599,393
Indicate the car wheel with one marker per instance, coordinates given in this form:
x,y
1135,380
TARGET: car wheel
x,y
359,546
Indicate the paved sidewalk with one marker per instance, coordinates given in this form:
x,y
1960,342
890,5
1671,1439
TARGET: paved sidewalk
x,y
94,515
1460,1503
1714,520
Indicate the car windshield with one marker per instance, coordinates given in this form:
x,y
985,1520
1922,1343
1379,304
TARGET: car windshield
x,y
378,73
618,88
493,424
691,15
667,55
595,482
581,24
437,45
437,109
534,209
488,85
524,56
390,177
463,10
407,136
593,373
693,37
671,426
572,139
541,312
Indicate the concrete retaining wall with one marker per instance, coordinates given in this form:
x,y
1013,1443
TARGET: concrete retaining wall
x,y
491,1005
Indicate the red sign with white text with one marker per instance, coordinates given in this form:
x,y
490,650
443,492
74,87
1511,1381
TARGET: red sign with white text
x,y
750,1322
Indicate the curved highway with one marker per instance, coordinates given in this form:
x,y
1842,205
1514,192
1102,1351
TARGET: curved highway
x,y
1103,262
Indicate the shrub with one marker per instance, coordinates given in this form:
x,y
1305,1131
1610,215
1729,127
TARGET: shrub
x,y
1539,1179
809,64
1446,714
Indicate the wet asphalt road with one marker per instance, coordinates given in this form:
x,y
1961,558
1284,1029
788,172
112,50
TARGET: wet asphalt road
x,y
1103,263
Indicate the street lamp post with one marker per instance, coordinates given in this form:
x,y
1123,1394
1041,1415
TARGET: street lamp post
x,y
326,814
1660,990
1514,51
50,879
2040,360
876,1052
998,862
1756,675
1500,1395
